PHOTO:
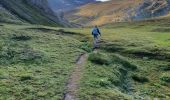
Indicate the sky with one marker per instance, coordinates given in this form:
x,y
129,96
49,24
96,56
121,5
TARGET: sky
x,y
103,0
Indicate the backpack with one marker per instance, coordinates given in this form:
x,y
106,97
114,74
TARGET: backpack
x,y
95,31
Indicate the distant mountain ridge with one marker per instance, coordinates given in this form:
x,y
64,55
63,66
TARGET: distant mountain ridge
x,y
74,13
118,11
62,5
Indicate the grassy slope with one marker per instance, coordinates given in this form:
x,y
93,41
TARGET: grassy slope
x,y
35,63
133,61
144,45
7,17
33,15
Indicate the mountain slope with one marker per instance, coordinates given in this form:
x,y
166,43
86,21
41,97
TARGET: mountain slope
x,y
61,5
118,11
152,8
102,12
30,11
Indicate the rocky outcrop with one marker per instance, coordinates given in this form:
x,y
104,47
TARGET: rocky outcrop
x,y
152,8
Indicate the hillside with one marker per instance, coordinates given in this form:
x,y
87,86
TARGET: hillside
x,y
152,9
101,13
40,59
118,11
28,11
62,5
132,62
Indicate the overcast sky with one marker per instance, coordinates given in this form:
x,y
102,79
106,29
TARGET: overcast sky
x,y
103,0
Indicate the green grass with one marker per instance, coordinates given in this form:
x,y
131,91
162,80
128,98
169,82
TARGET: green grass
x,y
7,17
35,64
139,53
132,61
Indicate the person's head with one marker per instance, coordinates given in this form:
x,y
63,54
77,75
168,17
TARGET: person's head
x,y
96,26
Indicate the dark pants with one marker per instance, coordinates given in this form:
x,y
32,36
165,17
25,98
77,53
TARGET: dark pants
x,y
95,41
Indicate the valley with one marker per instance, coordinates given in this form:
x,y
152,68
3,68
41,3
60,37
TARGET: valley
x,y
48,55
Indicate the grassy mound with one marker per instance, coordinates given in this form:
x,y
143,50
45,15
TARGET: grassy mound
x,y
140,78
121,60
99,58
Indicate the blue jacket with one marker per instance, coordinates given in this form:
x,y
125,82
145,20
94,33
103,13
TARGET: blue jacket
x,y
96,31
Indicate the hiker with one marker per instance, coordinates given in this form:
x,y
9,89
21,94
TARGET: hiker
x,y
96,33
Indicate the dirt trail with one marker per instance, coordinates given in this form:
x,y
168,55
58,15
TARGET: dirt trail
x,y
73,82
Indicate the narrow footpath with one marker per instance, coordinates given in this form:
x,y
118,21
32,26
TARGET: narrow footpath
x,y
75,77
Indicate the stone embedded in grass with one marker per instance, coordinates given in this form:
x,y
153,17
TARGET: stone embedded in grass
x,y
139,78
99,58
165,77
21,37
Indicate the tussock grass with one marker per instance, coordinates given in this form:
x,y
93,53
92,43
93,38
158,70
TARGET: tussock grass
x,y
161,30
138,57
164,67
99,58
124,62
35,64
140,78
21,37
165,77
